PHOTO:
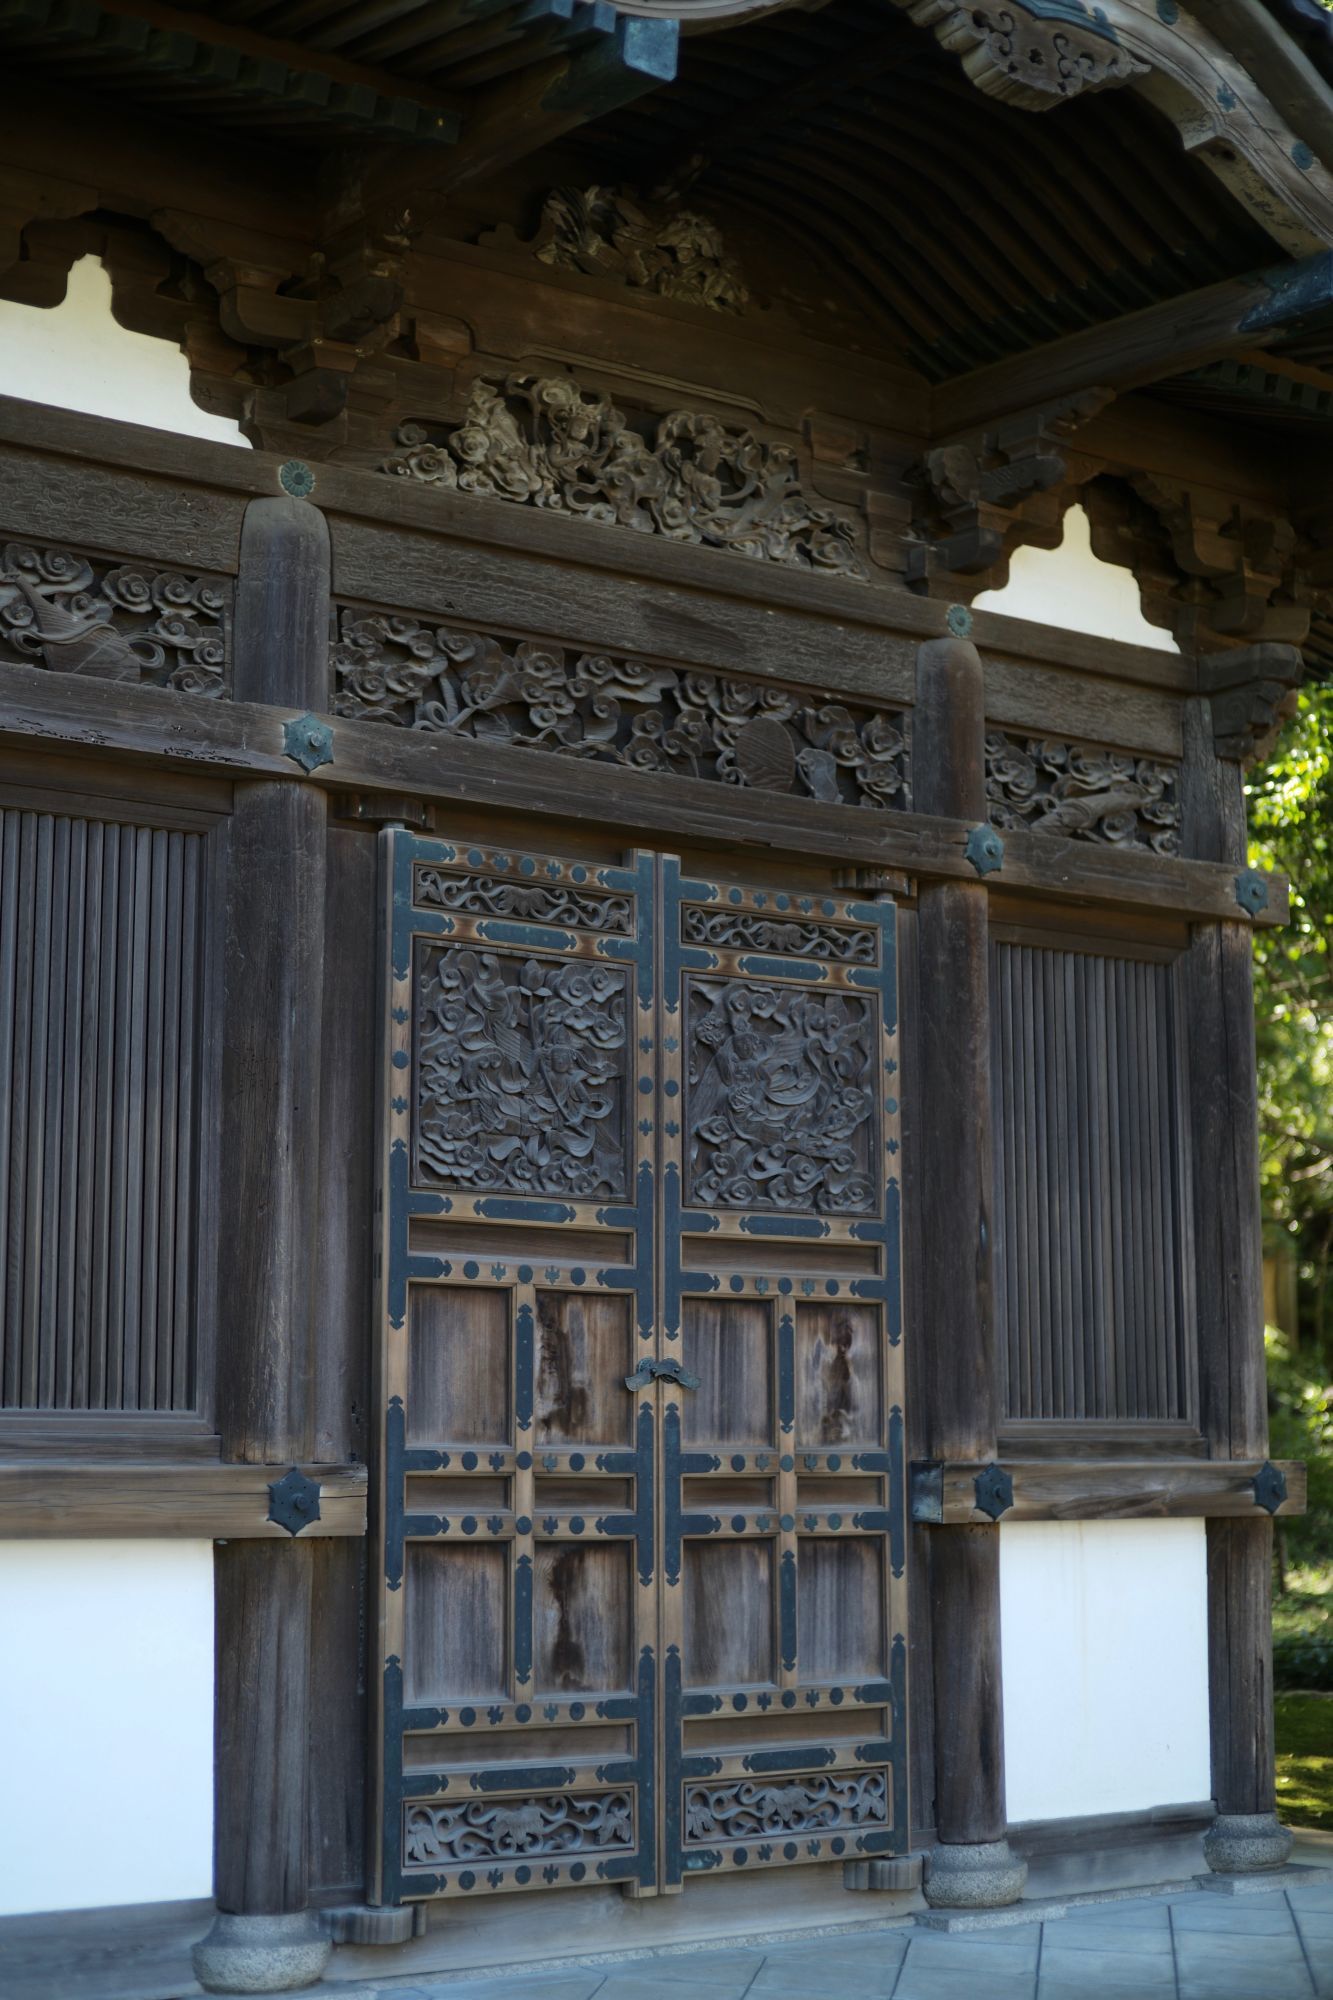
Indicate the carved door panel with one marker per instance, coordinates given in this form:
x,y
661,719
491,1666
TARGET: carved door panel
x,y
640,1476
518,1614
783,1588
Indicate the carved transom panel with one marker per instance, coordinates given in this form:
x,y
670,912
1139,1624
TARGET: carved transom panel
x,y
533,902
671,252
546,442
534,695
794,937
749,1808
1109,796
780,1098
490,1829
521,1083
112,621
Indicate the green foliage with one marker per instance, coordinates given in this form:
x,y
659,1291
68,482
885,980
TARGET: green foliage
x,y
1291,827
1305,1759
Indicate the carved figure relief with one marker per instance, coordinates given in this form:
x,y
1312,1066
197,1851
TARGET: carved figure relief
x,y
746,1810
538,903
780,1111
670,252
493,1830
1108,796
521,1074
538,696
743,930
127,622
545,442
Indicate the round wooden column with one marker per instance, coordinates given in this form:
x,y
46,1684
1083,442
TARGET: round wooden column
x,y
971,1865
1233,1405
265,1937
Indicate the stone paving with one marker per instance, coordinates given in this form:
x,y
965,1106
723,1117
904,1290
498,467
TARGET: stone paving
x,y
1195,1944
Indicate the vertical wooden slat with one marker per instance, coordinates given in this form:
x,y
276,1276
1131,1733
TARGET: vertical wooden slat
x,y
34,1080
1088,1146
100,967
51,1122
184,1380
9,933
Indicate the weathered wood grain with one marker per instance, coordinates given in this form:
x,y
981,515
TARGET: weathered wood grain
x,y
245,740
1088,1489
43,1497
1240,1664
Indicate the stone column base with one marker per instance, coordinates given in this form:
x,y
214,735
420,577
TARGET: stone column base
x,y
1245,1843
257,1954
981,1876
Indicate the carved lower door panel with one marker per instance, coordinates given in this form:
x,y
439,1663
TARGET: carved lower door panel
x,y
640,1476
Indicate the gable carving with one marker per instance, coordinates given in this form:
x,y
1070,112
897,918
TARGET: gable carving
x,y
542,441
671,252
1031,55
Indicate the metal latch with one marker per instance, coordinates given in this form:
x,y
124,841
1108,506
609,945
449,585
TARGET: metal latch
x,y
651,1371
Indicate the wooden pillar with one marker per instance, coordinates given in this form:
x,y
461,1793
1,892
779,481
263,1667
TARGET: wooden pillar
x,y
265,1938
954,1345
1233,1406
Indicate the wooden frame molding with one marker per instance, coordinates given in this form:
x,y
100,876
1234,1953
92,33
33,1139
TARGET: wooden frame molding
x,y
1080,1489
110,1499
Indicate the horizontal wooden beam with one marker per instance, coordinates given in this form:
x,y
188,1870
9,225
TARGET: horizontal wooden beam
x,y
1085,1489
110,1499
708,608
246,740
1141,347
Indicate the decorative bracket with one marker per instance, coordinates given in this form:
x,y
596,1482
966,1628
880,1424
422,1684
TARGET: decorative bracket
x,y
293,1501
984,849
1251,691
669,1371
994,1490
1270,1487
308,742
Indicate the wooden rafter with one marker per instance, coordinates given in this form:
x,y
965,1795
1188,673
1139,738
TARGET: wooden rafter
x,y
1162,340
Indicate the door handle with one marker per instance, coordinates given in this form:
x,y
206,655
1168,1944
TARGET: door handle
x,y
670,1371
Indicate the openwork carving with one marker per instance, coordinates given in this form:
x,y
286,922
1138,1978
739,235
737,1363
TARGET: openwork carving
x,y
521,1074
671,252
535,902
123,622
545,442
537,696
1104,795
798,937
746,1810
486,1830
780,1111
1032,54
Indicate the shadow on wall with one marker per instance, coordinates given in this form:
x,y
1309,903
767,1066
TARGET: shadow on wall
x,y
1072,587
78,357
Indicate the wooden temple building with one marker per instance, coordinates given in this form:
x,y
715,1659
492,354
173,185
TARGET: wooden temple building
x,y
629,635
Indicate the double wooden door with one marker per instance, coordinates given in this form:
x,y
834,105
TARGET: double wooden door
x,y
642,1602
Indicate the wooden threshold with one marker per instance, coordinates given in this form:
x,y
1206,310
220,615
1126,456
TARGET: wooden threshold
x,y
1082,1489
109,1499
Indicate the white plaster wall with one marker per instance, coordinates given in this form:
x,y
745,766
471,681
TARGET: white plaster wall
x,y
1104,1635
1072,587
77,357
106,1723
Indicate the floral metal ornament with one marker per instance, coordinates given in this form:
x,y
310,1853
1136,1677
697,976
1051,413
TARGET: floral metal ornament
x,y
546,442
293,1501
